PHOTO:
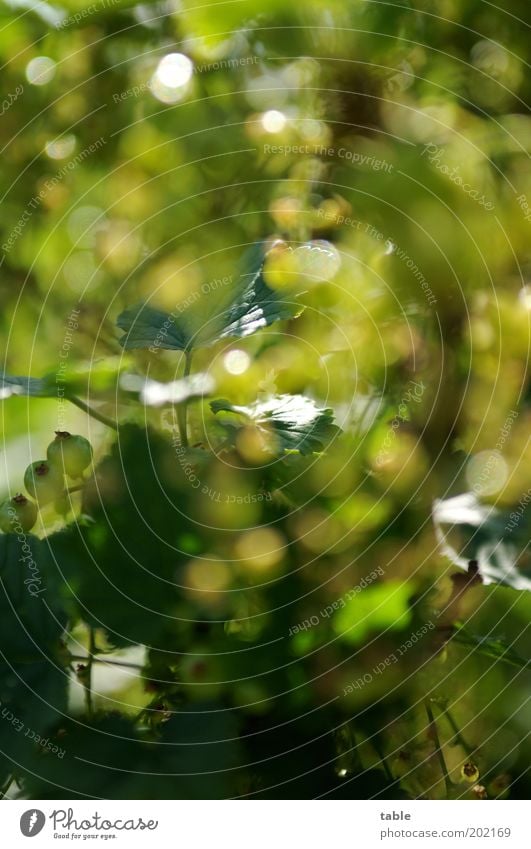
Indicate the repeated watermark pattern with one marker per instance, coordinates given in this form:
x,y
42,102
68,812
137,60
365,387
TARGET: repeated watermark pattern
x,y
133,91
301,156
414,394
49,185
523,203
229,64
415,270
34,581
182,306
190,472
435,155
390,246
493,462
353,156
516,515
87,12
10,98
72,324
220,64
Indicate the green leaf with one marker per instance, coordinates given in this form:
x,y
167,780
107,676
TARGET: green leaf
x,y
202,750
33,701
493,647
82,378
33,683
93,377
197,757
468,530
32,386
120,564
252,305
104,758
294,422
31,617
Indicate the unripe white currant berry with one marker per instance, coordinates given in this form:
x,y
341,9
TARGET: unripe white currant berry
x,y
17,513
470,772
70,453
43,481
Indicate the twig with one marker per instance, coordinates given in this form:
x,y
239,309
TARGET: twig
x,y
438,750
182,409
458,738
6,786
383,760
90,661
92,412
82,659
492,648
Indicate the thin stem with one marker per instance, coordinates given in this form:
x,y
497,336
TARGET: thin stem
x,y
82,659
458,738
92,412
383,760
363,414
438,750
182,409
6,786
489,649
90,661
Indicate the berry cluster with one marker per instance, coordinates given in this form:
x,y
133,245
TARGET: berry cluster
x,y
68,455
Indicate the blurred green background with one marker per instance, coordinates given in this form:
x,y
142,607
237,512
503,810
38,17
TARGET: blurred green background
x,y
145,149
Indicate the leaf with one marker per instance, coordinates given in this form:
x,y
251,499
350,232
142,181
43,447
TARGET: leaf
x,y
101,759
294,421
33,701
120,565
82,378
31,617
32,386
468,530
493,647
197,757
94,377
202,750
33,684
252,305
153,393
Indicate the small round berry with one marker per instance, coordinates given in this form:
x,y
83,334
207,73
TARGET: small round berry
x,y
470,772
43,482
17,514
70,453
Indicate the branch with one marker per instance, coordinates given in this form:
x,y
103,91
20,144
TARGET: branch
x,y
92,412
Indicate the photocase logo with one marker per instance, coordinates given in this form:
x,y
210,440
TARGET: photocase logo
x,y
32,822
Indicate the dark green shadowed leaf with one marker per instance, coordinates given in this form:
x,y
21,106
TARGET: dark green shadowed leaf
x,y
33,386
95,377
200,746
33,682
494,647
120,565
146,327
252,306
